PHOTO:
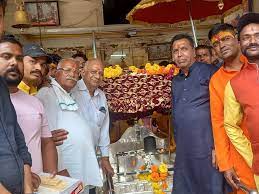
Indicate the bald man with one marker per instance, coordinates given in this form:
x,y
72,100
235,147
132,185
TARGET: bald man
x,y
93,105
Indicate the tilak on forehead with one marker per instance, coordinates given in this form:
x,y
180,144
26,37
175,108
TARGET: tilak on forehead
x,y
222,34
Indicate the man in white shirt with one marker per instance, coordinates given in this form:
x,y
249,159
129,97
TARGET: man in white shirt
x,y
76,153
93,105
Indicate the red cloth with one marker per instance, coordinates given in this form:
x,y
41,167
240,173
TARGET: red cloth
x,y
138,95
178,10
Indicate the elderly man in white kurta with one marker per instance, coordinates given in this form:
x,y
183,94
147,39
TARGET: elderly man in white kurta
x,y
76,153
93,106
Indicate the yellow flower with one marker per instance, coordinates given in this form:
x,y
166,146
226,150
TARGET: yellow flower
x,y
107,73
155,186
133,68
169,66
156,67
141,176
117,71
149,177
156,176
158,191
148,66
163,168
120,70
111,72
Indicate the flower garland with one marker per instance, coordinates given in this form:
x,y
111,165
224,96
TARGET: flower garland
x,y
116,71
156,69
156,176
112,71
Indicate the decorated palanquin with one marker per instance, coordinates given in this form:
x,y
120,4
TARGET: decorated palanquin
x,y
146,94
137,95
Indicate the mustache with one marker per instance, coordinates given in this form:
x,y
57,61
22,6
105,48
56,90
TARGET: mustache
x,y
71,78
13,69
37,71
252,45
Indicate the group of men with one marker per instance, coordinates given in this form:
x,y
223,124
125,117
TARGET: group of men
x,y
57,128
215,114
215,110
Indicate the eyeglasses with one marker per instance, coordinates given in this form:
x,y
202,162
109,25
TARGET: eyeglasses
x,y
69,70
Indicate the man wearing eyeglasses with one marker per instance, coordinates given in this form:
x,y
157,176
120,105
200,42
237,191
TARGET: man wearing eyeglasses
x,y
76,152
35,68
93,105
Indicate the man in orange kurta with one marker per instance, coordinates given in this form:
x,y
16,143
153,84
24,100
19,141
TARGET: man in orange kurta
x,y
229,161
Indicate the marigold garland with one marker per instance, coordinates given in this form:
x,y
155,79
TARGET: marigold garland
x,y
156,69
116,71
112,71
156,176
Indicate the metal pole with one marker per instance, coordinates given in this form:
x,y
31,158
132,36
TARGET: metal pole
x,y
94,45
193,31
192,23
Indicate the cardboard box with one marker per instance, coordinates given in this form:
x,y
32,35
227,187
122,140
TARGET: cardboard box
x,y
72,186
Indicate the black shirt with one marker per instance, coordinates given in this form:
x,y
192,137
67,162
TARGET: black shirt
x,y
13,150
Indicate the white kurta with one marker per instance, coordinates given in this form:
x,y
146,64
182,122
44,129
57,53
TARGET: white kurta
x,y
77,153
95,110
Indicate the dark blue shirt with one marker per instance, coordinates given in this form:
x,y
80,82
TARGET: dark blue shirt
x,y
13,150
191,111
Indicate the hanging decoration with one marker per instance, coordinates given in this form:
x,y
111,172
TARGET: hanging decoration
x,y
221,4
21,19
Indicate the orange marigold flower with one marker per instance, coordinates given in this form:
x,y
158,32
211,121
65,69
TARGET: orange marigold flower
x,y
155,176
154,168
143,167
164,185
162,178
164,174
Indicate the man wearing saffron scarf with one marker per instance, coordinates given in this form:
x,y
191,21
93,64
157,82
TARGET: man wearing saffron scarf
x,y
229,161
242,94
